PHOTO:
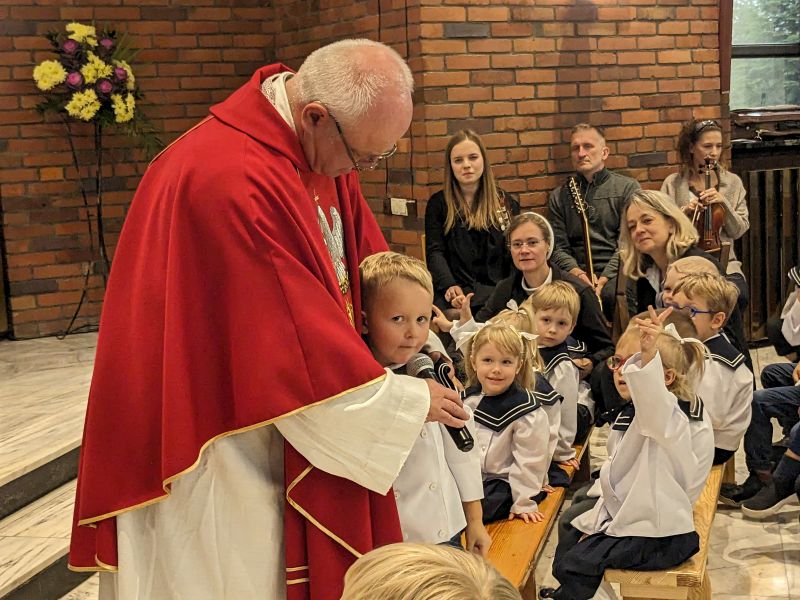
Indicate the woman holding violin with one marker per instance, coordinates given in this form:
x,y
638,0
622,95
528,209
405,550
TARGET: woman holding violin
x,y
710,195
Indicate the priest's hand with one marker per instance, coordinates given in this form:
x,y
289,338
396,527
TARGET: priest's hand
x,y
446,406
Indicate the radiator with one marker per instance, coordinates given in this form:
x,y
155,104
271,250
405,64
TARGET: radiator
x,y
770,247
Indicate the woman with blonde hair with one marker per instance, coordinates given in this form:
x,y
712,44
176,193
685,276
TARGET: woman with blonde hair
x,y
655,233
425,572
464,224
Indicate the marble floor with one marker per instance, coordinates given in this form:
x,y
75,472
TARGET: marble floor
x,y
43,396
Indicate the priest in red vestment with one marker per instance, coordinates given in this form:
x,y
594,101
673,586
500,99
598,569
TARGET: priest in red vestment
x,y
240,440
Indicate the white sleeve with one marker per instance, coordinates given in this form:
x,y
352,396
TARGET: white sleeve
x,y
791,321
657,410
364,435
459,330
565,381
531,459
464,466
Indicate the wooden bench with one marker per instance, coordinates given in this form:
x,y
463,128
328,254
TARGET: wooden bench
x,y
688,580
516,545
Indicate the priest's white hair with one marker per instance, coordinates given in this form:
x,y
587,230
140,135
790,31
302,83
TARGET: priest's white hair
x,y
349,81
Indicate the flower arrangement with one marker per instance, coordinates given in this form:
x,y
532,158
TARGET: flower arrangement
x,y
91,80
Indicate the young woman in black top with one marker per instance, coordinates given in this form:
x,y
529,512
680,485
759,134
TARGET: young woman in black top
x,y
464,222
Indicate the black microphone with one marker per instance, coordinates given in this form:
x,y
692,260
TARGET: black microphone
x,y
421,365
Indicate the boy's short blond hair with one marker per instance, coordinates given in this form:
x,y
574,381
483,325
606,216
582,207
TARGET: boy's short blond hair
x,y
553,296
425,572
694,264
383,268
719,293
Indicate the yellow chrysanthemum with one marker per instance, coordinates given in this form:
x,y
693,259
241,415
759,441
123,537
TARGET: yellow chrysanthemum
x,y
48,74
130,82
95,68
83,105
123,108
82,33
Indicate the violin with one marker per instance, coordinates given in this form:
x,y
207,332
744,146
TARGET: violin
x,y
708,219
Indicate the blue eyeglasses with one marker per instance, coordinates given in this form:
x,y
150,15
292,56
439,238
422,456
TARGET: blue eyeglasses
x,y
693,312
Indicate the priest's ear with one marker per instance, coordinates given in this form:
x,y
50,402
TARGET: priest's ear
x,y
313,113
364,328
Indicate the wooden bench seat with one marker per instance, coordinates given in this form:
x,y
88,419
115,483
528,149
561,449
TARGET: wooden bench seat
x,y
688,580
516,545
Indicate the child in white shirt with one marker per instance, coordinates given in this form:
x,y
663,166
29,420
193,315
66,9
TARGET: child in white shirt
x,y
512,428
727,384
439,488
656,470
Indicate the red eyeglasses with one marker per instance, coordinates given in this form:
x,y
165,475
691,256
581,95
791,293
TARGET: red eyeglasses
x,y
616,362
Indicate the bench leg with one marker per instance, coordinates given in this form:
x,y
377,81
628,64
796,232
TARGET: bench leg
x,y
703,592
528,591
584,472
729,471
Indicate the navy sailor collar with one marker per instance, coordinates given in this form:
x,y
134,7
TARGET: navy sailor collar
x,y
722,351
693,410
554,355
498,412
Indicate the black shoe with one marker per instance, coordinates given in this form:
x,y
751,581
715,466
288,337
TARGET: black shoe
x,y
548,592
768,501
731,494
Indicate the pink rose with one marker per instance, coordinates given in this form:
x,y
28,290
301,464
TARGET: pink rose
x,y
107,43
104,86
70,46
74,79
120,73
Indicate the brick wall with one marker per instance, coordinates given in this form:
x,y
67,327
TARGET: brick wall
x,y
193,55
518,72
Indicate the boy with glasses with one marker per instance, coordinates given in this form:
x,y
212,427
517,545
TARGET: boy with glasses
x,y
727,385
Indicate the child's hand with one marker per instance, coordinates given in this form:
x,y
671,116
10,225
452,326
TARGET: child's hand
x,y
584,365
572,462
649,330
478,539
442,322
548,489
528,517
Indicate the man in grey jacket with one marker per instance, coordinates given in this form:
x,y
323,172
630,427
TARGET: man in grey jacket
x,y
604,194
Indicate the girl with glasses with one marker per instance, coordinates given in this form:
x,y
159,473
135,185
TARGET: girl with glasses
x,y
464,223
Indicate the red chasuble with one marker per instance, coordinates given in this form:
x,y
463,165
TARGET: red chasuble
x,y
223,313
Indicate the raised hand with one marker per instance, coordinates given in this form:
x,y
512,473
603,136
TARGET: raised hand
x,y
649,330
442,322
453,292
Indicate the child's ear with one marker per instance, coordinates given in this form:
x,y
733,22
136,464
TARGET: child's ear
x,y
718,320
669,377
364,328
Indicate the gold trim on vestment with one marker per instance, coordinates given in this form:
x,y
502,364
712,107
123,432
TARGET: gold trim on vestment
x,y
296,581
316,523
294,569
179,138
166,482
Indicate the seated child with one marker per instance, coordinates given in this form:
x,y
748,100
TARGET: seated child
x,y
727,385
657,466
555,308
783,488
424,572
439,488
678,269
586,497
512,428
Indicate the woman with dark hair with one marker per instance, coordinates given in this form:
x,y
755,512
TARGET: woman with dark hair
x,y
464,222
697,141
530,239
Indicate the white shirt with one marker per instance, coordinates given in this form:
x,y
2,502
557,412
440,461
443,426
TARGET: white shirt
x,y
565,378
658,468
791,320
727,392
436,478
518,454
